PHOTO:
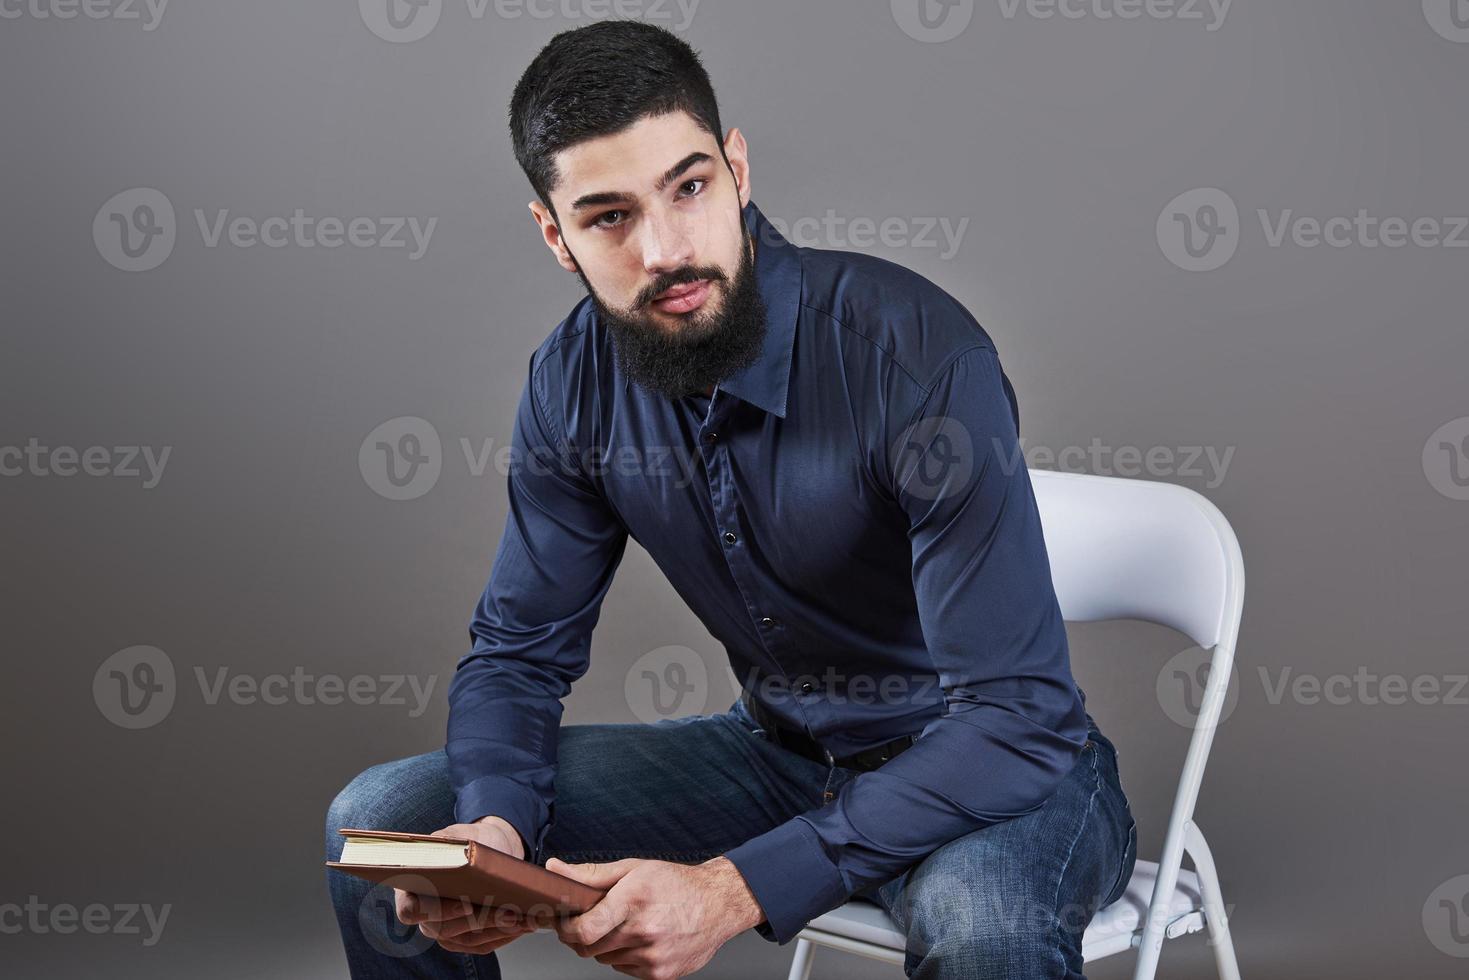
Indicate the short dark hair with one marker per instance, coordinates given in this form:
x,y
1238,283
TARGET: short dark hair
x,y
600,79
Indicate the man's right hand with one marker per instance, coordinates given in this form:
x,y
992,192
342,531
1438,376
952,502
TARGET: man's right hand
x,y
455,924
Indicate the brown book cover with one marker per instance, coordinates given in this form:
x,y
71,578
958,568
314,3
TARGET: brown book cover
x,y
487,877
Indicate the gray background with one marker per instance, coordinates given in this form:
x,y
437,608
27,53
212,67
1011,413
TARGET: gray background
x,y
264,549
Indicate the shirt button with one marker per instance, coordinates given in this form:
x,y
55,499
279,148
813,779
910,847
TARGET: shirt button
x,y
730,537
806,687
767,622
710,436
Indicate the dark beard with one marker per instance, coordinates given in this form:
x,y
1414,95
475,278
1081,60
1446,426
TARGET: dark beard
x,y
706,349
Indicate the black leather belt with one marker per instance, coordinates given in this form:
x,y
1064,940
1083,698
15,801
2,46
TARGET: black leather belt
x,y
802,744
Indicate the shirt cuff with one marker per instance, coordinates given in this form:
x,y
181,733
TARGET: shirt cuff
x,y
790,876
502,797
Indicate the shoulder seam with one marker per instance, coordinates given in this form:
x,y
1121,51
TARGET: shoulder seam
x,y
925,389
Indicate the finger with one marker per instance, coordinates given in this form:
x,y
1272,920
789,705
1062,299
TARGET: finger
x,y
482,923
592,873
593,924
619,941
475,948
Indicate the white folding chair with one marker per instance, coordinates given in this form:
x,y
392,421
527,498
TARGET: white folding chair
x,y
1123,549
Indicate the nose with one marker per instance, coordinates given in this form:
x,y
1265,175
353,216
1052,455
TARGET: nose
x,y
666,242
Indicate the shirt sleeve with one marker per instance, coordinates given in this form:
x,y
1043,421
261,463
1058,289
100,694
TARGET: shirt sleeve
x,y
1014,721
531,631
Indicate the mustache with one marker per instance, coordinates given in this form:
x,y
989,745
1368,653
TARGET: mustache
x,y
678,277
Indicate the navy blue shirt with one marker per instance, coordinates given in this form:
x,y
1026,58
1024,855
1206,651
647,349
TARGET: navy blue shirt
x,y
852,519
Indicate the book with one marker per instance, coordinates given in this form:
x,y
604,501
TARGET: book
x,y
452,867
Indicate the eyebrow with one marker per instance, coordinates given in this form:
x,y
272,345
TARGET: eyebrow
x,y
623,197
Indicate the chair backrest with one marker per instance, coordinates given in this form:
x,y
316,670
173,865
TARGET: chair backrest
x,y
1133,549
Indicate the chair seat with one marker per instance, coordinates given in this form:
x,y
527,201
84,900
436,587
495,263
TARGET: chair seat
x,y
1112,930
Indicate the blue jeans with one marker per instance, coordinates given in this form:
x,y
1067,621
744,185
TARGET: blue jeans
x,y
1008,901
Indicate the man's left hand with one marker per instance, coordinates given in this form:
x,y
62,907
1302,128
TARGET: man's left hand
x,y
659,920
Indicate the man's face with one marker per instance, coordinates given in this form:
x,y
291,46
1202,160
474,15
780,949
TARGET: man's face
x,y
650,219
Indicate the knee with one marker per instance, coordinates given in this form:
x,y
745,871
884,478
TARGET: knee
x,y
365,803
964,930
1018,944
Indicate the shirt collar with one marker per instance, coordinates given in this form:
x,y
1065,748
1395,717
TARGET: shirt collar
x,y
764,382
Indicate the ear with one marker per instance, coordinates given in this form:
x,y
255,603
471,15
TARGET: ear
x,y
551,233
738,155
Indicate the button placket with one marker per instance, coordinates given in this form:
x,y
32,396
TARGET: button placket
x,y
715,449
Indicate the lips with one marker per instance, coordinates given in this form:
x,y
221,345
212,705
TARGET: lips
x,y
683,297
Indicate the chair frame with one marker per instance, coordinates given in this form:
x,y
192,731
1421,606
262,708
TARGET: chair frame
x,y
1183,838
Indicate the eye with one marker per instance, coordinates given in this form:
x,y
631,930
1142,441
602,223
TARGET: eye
x,y
601,221
701,181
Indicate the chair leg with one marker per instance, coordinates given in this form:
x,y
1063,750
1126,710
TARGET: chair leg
x,y
1215,914
801,964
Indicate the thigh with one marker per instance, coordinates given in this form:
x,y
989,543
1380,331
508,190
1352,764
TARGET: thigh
x,y
684,789
1013,900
